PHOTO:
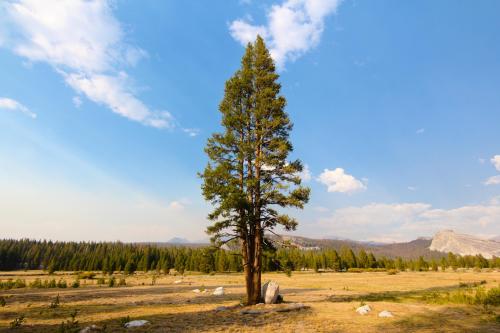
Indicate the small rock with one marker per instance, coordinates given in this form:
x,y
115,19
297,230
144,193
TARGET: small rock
x,y
91,328
292,307
177,281
362,310
136,323
221,308
196,291
385,314
219,291
270,292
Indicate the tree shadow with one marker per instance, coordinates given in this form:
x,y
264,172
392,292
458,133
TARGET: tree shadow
x,y
191,321
456,319
391,296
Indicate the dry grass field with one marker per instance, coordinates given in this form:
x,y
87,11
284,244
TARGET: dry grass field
x,y
332,299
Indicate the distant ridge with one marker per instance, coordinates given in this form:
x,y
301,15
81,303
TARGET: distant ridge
x,y
450,241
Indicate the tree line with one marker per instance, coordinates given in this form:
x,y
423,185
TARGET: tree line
x,y
110,257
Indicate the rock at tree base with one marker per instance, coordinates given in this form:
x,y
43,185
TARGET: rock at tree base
x,y
270,292
219,291
136,323
385,314
362,310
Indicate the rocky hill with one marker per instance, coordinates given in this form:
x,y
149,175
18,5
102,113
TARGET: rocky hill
x,y
450,241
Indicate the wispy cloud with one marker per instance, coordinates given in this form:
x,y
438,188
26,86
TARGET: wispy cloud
x,y
293,28
339,181
420,131
85,43
13,105
494,180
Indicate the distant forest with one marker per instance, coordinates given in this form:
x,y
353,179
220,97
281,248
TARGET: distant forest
x,y
110,257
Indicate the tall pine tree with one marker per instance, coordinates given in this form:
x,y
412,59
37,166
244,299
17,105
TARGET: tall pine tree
x,y
248,177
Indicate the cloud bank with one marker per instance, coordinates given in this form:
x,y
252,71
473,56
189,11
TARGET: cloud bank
x,y
407,221
293,28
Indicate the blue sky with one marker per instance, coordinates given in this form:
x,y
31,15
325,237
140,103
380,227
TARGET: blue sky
x,y
105,108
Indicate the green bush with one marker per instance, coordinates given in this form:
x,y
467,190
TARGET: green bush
x,y
62,284
75,284
122,282
112,282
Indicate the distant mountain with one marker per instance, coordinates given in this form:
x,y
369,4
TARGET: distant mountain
x,y
449,241
178,240
496,239
412,250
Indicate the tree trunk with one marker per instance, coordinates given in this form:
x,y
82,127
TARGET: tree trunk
x,y
257,269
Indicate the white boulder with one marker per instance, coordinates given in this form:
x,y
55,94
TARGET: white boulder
x,y
362,310
177,281
270,292
196,291
219,291
136,323
385,314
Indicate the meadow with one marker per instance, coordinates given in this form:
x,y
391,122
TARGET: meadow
x,y
461,301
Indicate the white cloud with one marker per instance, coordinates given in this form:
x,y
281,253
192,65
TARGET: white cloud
x,y
420,131
305,175
292,29
77,101
494,180
495,160
412,188
13,105
339,181
85,43
407,221
192,132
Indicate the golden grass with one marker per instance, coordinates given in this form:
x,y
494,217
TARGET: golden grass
x,y
332,298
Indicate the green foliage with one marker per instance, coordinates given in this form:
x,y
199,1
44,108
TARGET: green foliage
x,y
71,325
55,303
123,321
86,275
62,284
122,282
17,322
3,302
466,295
75,284
111,282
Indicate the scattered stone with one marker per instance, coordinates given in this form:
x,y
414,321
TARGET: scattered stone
x,y
219,291
362,310
270,292
91,328
196,291
221,308
177,281
136,323
385,314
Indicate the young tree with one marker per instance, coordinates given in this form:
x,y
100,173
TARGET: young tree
x,y
248,177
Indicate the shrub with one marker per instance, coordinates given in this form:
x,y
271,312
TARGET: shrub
x,y
70,325
112,282
17,322
55,303
2,301
392,272
124,320
62,284
75,284
122,282
101,281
